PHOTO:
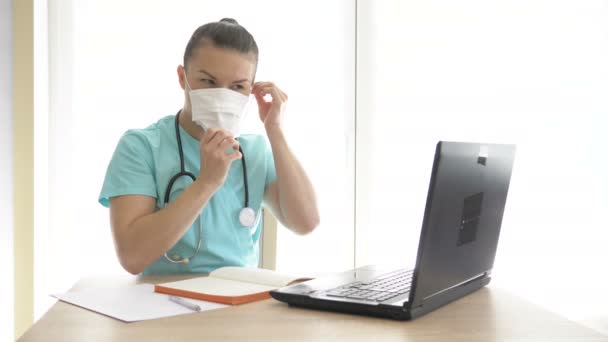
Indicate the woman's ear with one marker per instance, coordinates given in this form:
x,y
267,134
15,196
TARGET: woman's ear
x,y
181,76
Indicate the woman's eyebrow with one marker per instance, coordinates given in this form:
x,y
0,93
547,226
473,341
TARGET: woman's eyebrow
x,y
213,77
208,74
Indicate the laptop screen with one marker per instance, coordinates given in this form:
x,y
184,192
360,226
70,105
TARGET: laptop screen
x,y
463,215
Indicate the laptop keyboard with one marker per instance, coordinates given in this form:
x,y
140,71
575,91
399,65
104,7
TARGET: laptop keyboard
x,y
379,289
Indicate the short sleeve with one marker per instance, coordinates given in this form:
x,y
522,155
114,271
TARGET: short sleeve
x,y
271,172
130,171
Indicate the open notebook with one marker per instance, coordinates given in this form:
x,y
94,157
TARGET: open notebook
x,y
230,285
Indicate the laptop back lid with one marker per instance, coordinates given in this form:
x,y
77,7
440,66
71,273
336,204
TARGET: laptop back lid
x,y
463,216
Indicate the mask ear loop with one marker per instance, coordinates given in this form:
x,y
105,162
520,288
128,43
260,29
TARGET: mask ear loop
x,y
188,88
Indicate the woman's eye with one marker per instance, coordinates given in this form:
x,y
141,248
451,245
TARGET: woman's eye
x,y
208,81
238,87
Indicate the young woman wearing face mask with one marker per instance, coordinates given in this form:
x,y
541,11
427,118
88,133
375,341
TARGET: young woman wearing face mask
x,y
185,194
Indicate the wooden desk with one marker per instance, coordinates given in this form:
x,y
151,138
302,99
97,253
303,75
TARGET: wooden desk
x,y
488,315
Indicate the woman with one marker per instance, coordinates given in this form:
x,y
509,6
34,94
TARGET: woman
x,y
185,194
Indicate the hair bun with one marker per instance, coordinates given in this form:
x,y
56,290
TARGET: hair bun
x,y
229,21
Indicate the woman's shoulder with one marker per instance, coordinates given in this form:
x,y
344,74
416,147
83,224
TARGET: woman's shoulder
x,y
150,135
253,141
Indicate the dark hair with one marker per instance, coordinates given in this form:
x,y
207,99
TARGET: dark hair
x,y
226,33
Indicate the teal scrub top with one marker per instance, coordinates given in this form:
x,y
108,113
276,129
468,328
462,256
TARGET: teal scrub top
x,y
145,160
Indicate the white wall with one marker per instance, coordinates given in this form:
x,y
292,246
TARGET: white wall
x,y
6,172
529,72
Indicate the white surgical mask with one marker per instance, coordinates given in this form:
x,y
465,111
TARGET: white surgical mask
x,y
218,108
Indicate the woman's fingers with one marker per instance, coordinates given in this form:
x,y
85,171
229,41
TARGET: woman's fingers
x,y
218,137
235,156
258,85
285,97
276,93
209,135
228,143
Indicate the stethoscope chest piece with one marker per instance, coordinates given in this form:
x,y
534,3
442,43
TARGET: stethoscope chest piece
x,y
247,217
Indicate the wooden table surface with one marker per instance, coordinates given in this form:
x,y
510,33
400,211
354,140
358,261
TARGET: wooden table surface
x,y
489,314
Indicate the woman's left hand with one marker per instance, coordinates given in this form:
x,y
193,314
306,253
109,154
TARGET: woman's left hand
x,y
270,111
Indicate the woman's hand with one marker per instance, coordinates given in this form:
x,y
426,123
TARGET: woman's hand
x,y
270,111
215,157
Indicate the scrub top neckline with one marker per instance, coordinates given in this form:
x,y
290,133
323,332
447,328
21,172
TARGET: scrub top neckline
x,y
185,135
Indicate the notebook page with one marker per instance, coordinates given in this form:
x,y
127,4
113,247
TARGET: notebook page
x,y
254,275
218,286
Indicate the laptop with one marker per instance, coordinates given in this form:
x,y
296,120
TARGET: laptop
x,y
463,214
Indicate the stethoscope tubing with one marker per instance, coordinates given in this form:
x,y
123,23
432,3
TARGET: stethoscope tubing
x,y
183,171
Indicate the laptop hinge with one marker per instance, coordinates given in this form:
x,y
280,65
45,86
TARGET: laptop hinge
x,y
463,283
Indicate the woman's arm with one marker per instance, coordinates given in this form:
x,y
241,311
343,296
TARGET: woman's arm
x,y
291,197
142,235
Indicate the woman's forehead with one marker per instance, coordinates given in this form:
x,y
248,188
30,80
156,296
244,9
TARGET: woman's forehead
x,y
222,62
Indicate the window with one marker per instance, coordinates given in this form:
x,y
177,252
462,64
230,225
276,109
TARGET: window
x,y
375,84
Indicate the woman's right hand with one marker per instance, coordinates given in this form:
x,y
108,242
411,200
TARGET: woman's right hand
x,y
216,157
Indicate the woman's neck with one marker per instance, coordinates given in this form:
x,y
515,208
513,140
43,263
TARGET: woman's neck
x,y
193,129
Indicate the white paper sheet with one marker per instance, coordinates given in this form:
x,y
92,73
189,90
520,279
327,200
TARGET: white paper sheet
x,y
132,303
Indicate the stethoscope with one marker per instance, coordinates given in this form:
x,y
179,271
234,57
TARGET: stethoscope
x,y
247,215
